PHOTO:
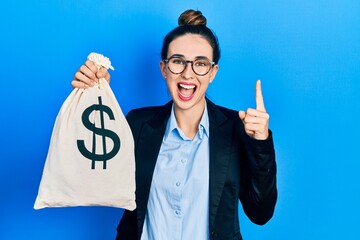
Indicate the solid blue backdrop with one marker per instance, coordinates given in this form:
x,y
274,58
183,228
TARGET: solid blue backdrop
x,y
307,54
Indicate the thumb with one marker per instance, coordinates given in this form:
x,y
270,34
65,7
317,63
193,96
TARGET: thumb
x,y
242,115
101,73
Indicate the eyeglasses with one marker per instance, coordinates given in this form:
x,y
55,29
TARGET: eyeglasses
x,y
178,65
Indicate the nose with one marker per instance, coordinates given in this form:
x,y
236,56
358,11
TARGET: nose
x,y
188,72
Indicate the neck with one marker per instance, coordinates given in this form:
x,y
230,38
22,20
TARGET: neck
x,y
188,119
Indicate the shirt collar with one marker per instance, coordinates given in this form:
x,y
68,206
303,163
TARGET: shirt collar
x,y
203,125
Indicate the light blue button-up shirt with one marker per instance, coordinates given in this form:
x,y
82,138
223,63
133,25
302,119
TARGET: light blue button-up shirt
x,y
178,206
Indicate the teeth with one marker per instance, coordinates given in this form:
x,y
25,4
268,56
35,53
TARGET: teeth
x,y
187,86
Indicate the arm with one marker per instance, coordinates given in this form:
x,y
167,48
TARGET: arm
x,y
258,192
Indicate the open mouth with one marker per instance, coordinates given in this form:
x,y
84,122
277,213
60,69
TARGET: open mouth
x,y
186,91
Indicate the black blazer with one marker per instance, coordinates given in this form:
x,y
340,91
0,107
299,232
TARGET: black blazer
x,y
240,168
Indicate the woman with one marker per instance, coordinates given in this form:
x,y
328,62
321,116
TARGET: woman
x,y
194,159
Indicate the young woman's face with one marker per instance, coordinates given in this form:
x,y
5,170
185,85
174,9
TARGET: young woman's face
x,y
187,89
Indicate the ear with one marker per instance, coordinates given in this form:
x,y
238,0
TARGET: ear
x,y
213,73
163,69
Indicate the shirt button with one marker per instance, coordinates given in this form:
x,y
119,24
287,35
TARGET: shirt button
x,y
183,160
178,184
177,212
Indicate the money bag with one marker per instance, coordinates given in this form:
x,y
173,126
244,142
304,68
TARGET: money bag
x,y
90,161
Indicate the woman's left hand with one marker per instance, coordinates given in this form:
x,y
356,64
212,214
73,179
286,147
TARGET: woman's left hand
x,y
256,121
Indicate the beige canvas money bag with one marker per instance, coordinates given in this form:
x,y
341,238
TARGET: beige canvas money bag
x,y
90,160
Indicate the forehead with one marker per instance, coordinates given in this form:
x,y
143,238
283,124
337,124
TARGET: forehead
x,y
191,46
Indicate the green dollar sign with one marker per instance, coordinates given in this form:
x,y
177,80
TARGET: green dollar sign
x,y
99,131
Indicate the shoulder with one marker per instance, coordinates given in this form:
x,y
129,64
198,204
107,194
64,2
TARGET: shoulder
x,y
143,114
226,119
155,115
228,112
222,113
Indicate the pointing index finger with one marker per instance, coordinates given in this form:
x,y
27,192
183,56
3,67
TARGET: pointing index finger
x,y
259,97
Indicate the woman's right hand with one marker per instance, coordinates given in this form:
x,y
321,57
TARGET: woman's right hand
x,y
88,75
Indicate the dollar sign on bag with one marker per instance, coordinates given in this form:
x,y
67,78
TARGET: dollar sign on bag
x,y
99,131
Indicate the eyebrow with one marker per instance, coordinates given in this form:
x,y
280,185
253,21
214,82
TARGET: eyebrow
x,y
182,56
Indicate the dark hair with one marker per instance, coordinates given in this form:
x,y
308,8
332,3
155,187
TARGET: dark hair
x,y
192,22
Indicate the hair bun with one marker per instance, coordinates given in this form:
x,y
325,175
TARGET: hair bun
x,y
192,17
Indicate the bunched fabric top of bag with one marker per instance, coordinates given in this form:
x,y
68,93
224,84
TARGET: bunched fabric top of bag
x,y
90,160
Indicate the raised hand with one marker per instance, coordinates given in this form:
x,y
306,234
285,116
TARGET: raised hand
x,y
88,75
256,121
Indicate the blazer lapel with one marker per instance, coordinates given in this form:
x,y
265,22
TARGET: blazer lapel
x,y
146,156
220,147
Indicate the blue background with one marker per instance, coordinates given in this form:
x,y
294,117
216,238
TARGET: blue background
x,y
307,54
